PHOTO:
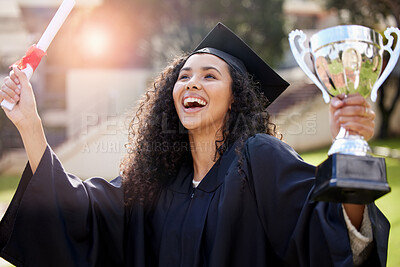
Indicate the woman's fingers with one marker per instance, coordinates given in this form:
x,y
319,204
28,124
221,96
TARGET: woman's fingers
x,y
27,97
10,90
353,113
14,77
355,99
359,129
20,77
336,103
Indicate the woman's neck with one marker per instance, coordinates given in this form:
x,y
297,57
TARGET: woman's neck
x,y
203,153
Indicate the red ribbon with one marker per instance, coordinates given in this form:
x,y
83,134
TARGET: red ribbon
x,y
32,57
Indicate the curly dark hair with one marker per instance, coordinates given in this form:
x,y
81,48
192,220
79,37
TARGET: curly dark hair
x,y
158,143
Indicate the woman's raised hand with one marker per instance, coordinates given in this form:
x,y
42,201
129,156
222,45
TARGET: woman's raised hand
x,y
17,89
354,113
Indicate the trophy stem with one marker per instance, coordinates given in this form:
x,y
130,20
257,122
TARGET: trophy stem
x,y
349,144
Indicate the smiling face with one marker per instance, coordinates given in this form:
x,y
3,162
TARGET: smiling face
x,y
202,94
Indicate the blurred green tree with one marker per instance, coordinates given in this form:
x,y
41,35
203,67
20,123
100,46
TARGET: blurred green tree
x,y
177,25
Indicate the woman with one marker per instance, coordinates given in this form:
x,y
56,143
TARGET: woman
x,y
205,182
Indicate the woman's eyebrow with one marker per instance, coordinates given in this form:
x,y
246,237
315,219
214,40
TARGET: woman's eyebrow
x,y
211,68
205,68
186,69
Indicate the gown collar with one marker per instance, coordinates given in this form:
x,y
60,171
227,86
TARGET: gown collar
x,y
213,179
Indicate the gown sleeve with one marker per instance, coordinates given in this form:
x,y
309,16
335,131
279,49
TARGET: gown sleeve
x,y
301,231
55,219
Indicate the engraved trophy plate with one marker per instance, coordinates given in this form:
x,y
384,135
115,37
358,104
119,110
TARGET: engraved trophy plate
x,y
348,59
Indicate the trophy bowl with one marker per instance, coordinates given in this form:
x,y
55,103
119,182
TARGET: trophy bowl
x,y
348,59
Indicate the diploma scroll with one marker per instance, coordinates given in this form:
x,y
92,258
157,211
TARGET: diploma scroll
x,y
35,53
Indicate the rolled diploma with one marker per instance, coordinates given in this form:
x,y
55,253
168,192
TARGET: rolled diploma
x,y
47,37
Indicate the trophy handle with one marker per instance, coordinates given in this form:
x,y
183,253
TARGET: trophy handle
x,y
394,56
299,56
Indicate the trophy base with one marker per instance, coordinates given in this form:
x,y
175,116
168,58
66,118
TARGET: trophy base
x,y
350,179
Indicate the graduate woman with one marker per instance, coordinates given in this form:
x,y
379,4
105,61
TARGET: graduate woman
x,y
206,180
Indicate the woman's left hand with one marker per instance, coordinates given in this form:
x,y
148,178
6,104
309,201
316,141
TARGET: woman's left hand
x,y
353,113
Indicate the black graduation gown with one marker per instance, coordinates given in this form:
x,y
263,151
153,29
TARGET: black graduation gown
x,y
262,217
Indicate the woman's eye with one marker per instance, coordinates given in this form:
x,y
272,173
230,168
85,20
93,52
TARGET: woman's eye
x,y
182,77
208,76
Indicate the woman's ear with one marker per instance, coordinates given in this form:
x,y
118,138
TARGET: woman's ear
x,y
231,102
231,89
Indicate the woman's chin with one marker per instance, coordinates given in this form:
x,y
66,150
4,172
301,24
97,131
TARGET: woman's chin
x,y
191,125
199,129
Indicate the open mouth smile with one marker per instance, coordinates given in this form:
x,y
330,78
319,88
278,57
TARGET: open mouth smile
x,y
193,103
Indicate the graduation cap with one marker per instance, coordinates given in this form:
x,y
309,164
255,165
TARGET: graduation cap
x,y
225,44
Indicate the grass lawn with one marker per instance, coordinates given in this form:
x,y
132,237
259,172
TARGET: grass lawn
x,y
388,204
8,185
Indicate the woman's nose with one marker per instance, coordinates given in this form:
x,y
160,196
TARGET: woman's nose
x,y
193,83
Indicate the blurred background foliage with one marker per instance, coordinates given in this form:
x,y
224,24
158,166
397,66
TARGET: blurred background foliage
x,y
148,30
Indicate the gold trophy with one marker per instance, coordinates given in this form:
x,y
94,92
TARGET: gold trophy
x,y
348,59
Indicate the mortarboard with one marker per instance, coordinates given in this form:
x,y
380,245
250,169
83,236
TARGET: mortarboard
x,y
225,44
